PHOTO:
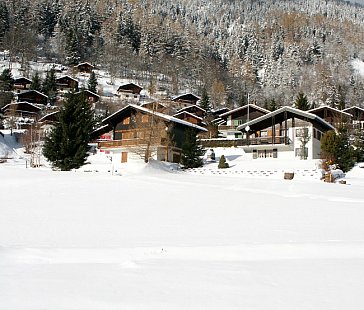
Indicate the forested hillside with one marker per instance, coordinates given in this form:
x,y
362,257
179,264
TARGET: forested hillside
x,y
270,49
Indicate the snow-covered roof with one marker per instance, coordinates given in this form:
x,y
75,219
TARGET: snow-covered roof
x,y
245,107
22,78
47,116
303,114
84,63
186,94
66,76
329,108
190,114
20,102
87,91
161,115
30,91
191,106
354,107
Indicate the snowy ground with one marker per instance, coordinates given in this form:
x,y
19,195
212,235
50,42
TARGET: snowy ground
x,y
152,238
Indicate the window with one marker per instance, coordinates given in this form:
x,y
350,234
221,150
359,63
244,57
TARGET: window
x,y
301,132
126,121
145,118
301,152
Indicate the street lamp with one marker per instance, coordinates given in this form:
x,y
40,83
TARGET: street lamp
x,y
247,128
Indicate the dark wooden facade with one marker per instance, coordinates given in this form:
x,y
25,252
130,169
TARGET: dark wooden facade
x,y
33,96
131,127
84,67
186,99
189,117
21,109
130,88
193,109
22,83
331,115
66,83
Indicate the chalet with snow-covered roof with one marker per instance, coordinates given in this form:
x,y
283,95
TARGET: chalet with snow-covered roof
x,y
33,96
193,109
84,67
22,83
233,118
47,122
91,97
357,114
286,133
129,91
155,106
334,116
20,114
185,100
66,83
137,132
189,117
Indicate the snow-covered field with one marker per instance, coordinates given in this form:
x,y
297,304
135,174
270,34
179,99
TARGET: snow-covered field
x,y
152,238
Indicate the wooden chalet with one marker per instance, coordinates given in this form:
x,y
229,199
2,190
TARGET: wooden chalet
x,y
193,109
129,91
280,134
22,114
334,116
189,117
66,83
232,119
32,96
91,97
84,67
22,83
185,100
133,127
357,114
47,122
155,106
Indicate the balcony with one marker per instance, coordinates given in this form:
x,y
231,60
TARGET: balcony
x,y
278,140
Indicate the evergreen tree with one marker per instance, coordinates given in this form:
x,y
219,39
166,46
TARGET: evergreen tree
x,y
66,146
302,102
205,101
49,86
36,82
6,80
92,83
48,12
191,151
336,149
4,21
273,105
222,163
128,32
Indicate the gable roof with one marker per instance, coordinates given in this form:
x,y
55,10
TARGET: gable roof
x,y
326,107
32,91
21,103
251,105
22,79
279,115
130,86
49,117
188,113
187,97
88,92
66,77
84,64
165,117
191,106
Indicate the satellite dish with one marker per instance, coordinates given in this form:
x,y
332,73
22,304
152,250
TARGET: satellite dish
x,y
247,128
